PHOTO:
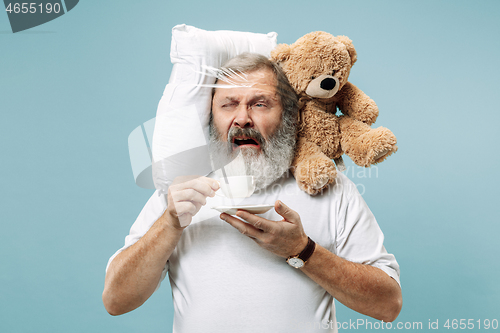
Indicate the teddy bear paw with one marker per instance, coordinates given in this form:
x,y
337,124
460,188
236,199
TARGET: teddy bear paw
x,y
384,154
383,145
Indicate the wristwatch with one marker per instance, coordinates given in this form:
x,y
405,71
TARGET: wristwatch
x,y
300,259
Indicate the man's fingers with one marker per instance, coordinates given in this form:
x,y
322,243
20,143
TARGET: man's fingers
x,y
204,185
186,207
256,221
245,228
211,182
189,194
187,179
286,212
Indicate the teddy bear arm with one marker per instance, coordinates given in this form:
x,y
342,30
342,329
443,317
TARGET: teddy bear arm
x,y
355,103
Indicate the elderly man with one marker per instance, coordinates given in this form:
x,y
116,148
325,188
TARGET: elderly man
x,y
275,272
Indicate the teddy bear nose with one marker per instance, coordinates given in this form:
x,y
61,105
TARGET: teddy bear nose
x,y
328,84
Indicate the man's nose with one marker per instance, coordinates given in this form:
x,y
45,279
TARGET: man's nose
x,y
242,118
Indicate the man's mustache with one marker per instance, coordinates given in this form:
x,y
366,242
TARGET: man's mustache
x,y
246,132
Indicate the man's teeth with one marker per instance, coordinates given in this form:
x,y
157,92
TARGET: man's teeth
x,y
241,142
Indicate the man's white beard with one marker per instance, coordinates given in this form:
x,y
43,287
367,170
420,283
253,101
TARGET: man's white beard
x,y
266,165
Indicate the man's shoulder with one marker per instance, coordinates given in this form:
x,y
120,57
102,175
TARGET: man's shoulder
x,y
342,186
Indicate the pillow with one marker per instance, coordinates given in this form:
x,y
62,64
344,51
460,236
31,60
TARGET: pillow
x,y
181,130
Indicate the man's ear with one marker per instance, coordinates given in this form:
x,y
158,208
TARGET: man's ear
x,y
281,52
350,48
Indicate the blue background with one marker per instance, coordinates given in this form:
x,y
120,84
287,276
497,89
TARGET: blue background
x,y
73,89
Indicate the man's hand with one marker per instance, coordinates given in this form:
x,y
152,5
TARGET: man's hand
x,y
284,238
186,195
363,288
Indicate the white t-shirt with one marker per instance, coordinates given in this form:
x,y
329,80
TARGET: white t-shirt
x,y
223,281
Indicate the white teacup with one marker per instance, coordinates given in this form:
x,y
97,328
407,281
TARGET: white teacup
x,y
237,186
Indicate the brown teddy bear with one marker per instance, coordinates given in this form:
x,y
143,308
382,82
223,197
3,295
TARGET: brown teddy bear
x,y
318,66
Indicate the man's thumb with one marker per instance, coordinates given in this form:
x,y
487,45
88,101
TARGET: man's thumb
x,y
285,211
185,220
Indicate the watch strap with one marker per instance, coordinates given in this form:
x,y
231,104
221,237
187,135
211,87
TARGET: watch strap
x,y
308,250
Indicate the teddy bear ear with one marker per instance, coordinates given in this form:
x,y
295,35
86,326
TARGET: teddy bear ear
x,y
350,48
281,52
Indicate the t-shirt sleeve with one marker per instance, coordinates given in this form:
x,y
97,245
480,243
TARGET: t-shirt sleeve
x,y
359,238
153,209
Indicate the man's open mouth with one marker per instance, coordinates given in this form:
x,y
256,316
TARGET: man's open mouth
x,y
245,141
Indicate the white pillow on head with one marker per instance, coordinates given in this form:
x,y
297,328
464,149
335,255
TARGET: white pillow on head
x,y
181,130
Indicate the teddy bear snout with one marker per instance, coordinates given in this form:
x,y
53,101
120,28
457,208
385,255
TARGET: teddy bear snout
x,y
324,86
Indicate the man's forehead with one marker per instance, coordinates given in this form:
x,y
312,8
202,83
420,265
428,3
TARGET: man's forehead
x,y
261,81
254,93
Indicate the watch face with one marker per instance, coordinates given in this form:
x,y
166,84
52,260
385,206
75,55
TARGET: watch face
x,y
295,262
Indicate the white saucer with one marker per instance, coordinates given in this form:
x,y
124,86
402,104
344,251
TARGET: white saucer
x,y
254,209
